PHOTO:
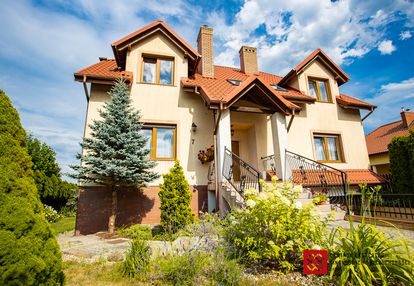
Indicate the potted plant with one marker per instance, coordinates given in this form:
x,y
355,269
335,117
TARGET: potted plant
x,y
320,199
207,155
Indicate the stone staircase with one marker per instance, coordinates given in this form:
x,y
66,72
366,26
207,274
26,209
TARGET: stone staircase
x,y
338,214
231,196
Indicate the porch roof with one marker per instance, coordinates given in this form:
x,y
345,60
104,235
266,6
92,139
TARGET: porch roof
x,y
309,178
220,89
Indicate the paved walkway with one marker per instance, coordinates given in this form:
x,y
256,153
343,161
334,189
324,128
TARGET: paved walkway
x,y
98,246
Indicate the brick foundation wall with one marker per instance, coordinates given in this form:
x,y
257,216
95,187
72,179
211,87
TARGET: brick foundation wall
x,y
134,206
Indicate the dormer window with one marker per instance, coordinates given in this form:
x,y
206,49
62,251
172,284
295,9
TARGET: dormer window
x,y
235,82
319,89
278,87
158,70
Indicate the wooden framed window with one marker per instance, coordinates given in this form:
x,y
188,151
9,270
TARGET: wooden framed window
x,y
319,89
158,70
328,148
162,141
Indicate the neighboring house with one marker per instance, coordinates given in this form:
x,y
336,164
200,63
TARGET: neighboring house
x,y
378,140
188,103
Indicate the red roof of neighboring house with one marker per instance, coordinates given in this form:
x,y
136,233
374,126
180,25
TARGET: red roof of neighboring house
x,y
378,140
106,69
318,53
351,102
315,178
219,88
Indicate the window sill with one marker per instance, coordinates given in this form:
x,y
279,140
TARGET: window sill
x,y
318,101
152,83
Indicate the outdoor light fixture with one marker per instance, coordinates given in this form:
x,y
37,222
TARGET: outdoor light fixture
x,y
232,131
193,127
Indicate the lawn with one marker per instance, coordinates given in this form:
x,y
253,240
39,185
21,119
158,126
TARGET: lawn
x,y
63,225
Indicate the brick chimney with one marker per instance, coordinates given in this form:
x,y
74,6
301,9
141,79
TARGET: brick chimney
x,y
205,48
248,60
407,118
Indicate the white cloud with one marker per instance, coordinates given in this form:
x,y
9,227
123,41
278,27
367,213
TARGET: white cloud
x,y
386,47
405,35
389,99
343,29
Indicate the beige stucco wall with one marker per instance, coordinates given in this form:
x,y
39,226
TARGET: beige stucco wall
x,y
327,118
379,159
255,139
166,104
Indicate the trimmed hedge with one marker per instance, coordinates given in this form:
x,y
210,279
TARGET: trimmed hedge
x,y
401,151
29,253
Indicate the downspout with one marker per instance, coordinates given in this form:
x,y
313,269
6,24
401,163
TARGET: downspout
x,y
85,87
216,121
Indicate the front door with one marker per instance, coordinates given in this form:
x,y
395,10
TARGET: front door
x,y
236,163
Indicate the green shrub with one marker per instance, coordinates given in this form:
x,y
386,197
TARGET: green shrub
x,y
137,231
224,271
175,198
137,259
274,228
363,255
207,225
51,214
182,269
29,253
401,151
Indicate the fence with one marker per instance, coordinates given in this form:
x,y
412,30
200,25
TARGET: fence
x,y
383,205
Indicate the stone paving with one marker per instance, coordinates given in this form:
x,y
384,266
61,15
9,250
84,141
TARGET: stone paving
x,y
98,246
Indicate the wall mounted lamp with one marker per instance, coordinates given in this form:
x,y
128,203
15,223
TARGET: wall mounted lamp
x,y
193,127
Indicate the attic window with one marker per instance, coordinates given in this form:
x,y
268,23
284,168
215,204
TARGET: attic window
x,y
277,87
234,81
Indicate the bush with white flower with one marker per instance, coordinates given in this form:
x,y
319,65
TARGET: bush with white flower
x,y
274,228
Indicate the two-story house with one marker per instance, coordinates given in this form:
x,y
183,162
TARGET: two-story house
x,y
188,104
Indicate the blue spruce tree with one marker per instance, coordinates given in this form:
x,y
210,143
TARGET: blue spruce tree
x,y
115,153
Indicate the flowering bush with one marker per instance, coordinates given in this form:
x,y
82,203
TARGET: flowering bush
x,y
51,214
206,155
274,228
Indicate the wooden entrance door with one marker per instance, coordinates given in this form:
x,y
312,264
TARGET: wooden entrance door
x,y
236,164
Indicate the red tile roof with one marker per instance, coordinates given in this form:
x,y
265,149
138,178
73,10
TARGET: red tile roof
x,y
363,176
119,47
352,102
378,140
318,53
104,70
219,88
315,178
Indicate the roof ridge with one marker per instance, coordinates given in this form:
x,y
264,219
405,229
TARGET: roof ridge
x,y
382,126
263,72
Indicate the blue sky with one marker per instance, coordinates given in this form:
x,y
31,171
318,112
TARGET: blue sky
x,y
44,42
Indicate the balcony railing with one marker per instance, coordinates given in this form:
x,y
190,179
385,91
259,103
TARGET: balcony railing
x,y
317,177
240,174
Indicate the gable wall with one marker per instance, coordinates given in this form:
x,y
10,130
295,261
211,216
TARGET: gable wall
x,y
327,118
166,104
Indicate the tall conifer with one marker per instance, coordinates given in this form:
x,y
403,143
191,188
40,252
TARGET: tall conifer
x,y
115,153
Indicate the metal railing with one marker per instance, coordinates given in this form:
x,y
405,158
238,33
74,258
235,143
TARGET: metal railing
x,y
317,177
270,166
384,205
240,174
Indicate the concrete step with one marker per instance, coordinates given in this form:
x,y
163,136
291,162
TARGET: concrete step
x,y
324,208
305,195
305,201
